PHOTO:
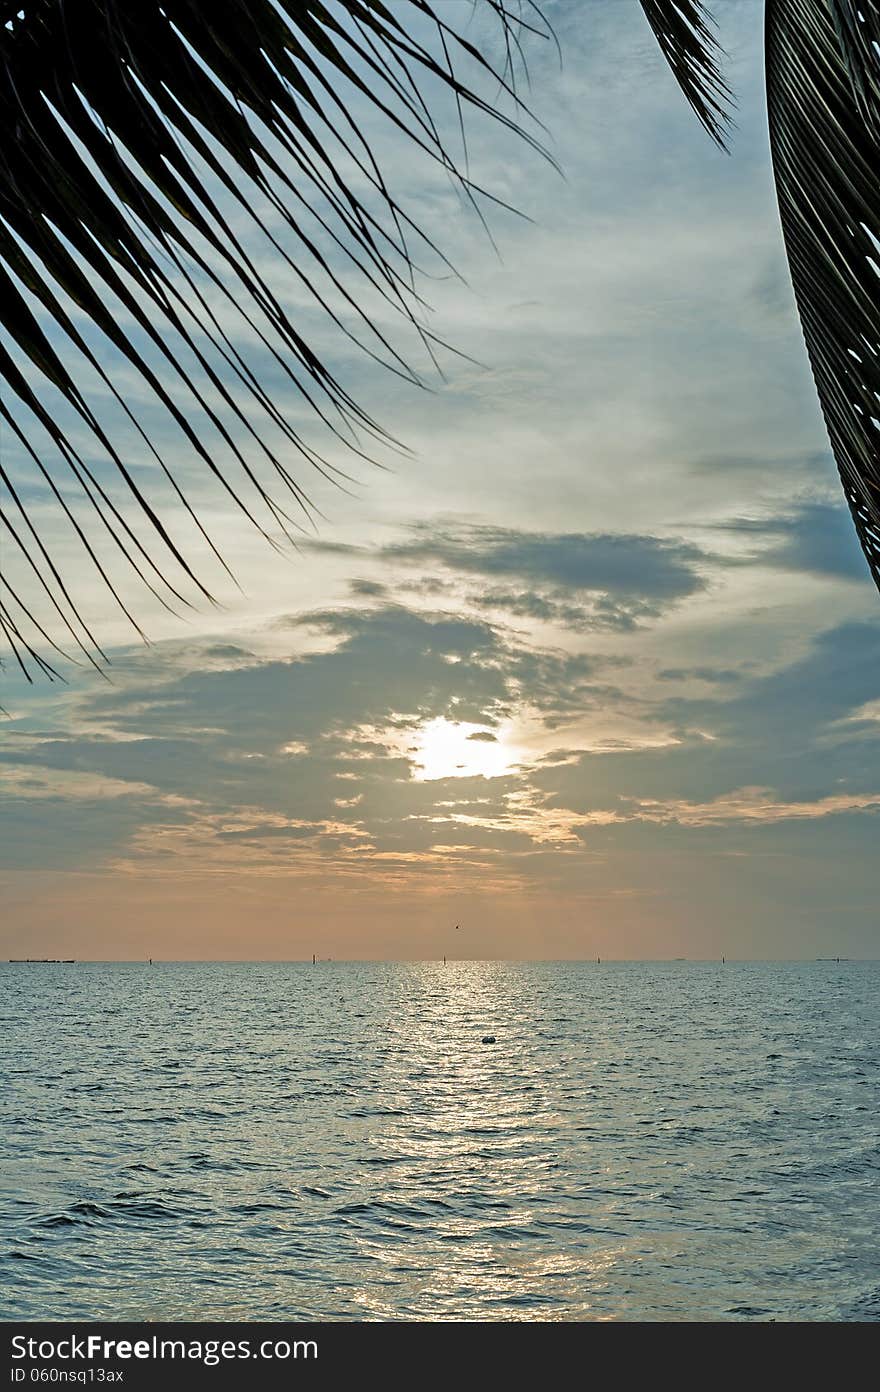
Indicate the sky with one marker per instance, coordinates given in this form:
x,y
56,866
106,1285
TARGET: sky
x,y
593,670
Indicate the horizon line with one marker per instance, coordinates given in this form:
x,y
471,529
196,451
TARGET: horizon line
x,y
403,961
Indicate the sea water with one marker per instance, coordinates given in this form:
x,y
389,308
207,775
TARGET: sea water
x,y
268,1141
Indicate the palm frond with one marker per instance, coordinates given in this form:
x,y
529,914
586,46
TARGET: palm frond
x,y
858,31
684,31
822,85
146,148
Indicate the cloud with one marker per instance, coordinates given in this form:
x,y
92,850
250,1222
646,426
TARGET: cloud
x,y
802,735
367,589
581,581
703,674
265,831
643,567
816,537
794,706
315,763
61,818
751,805
322,753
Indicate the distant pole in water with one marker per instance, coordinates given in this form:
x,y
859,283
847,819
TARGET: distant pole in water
x,y
444,960
313,959
722,961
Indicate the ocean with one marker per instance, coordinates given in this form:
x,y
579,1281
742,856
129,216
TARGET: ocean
x,y
282,1141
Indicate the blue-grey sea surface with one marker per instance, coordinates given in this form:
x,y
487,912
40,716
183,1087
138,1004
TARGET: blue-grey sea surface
x,y
644,1141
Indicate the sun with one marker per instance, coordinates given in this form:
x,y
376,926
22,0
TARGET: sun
x,y
457,749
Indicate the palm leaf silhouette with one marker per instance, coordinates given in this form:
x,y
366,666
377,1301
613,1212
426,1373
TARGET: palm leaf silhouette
x,y
136,138
822,63
822,92
147,144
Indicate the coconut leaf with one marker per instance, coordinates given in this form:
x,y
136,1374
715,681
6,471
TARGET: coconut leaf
x,y
148,149
822,85
684,31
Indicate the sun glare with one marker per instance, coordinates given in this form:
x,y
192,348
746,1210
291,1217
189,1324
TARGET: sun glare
x,y
456,749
